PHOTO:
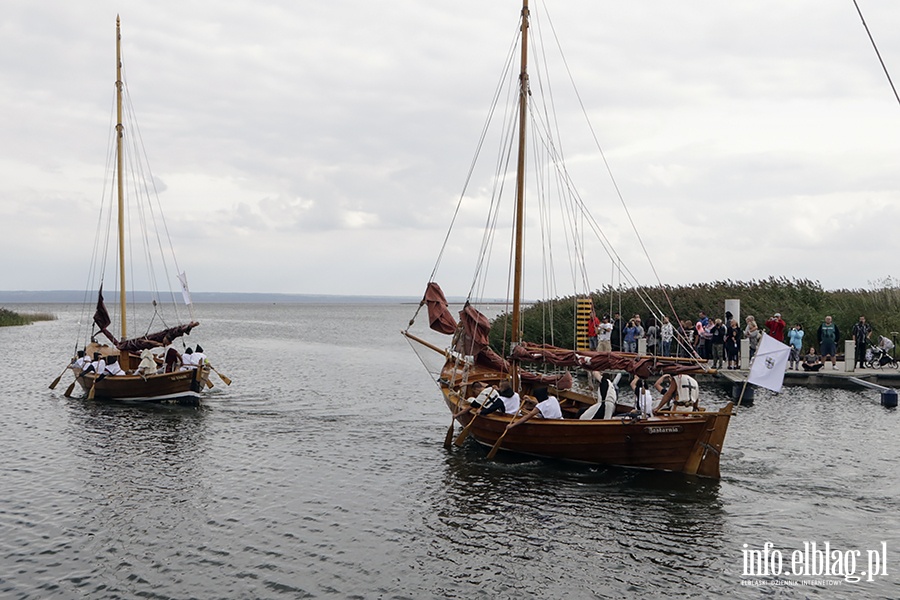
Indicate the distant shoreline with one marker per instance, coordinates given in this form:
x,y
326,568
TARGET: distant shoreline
x,y
75,297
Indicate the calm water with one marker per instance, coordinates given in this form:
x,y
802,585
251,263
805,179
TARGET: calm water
x,y
321,473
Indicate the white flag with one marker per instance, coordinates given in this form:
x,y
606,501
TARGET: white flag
x,y
185,292
769,364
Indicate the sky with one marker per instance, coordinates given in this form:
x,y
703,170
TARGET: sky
x,y
321,147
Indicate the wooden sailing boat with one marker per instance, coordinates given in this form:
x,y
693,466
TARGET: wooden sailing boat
x,y
687,442
173,383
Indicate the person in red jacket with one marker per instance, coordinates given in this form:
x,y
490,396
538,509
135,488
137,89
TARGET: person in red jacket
x,y
776,326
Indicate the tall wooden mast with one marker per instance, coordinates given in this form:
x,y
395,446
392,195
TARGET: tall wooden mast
x,y
520,193
119,172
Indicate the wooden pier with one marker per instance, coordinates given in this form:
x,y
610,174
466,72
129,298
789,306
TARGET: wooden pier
x,y
879,379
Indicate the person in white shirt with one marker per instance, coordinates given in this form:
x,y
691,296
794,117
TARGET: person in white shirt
x,y
80,363
643,400
604,335
98,365
547,408
199,356
507,400
188,360
113,367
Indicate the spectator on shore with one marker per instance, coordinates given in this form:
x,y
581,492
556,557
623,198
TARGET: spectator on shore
x,y
717,342
667,334
604,335
617,332
812,361
686,341
829,335
733,345
652,335
861,333
630,336
795,338
753,335
776,326
593,327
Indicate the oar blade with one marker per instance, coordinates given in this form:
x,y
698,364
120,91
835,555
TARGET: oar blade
x,y
464,433
496,447
448,441
224,378
55,382
68,392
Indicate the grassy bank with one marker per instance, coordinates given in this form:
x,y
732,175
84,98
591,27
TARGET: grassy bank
x,y
9,318
799,301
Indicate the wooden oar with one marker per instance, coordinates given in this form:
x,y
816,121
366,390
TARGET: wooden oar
x,y
496,447
448,440
465,432
91,392
56,381
68,392
222,377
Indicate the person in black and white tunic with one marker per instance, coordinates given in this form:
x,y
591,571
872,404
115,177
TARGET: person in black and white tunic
x,y
681,393
484,396
607,395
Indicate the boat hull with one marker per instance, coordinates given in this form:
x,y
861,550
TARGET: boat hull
x,y
179,386
689,443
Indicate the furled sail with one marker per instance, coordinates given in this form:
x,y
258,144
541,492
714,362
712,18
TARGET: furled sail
x,y
156,340
642,366
475,331
439,317
101,317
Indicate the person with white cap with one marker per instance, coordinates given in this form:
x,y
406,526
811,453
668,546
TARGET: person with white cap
x,y
776,326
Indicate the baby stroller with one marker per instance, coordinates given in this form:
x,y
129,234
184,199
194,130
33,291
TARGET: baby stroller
x,y
878,358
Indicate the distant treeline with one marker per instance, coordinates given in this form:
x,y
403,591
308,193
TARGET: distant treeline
x,y
8,318
799,301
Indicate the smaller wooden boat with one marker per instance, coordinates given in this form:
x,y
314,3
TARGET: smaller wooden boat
x,y
158,383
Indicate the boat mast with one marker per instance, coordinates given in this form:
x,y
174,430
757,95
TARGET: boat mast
x,y
520,194
120,170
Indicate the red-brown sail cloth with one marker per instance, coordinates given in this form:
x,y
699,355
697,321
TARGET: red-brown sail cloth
x,y
155,340
439,317
475,330
642,366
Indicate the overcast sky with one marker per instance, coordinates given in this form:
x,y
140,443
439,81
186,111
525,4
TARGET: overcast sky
x,y
320,147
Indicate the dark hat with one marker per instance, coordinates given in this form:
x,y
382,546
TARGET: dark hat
x,y
189,351
199,349
540,394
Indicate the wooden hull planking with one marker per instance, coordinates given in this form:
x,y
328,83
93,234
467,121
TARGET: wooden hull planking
x,y
163,387
688,444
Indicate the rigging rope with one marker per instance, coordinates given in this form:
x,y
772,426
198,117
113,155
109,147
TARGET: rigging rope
x,y
877,53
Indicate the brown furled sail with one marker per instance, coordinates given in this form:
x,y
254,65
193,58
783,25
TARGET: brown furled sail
x,y
475,330
101,315
439,317
101,318
155,340
642,366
